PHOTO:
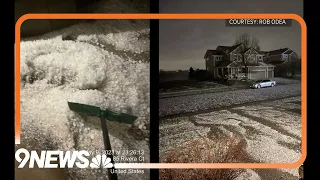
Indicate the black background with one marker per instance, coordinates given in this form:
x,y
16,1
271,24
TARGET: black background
x,y
154,91
313,149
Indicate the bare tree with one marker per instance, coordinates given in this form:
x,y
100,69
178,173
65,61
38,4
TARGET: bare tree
x,y
247,42
255,43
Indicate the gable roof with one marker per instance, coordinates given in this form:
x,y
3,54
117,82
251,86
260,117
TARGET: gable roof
x,y
212,52
245,50
228,49
289,51
258,52
277,51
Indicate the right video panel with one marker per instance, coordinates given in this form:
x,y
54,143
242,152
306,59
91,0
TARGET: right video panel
x,y
230,92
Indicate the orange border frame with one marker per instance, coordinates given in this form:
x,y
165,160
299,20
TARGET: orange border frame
x,y
177,16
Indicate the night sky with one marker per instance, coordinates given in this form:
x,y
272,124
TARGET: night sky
x,y
183,43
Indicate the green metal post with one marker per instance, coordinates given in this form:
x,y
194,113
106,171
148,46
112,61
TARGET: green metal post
x,y
107,145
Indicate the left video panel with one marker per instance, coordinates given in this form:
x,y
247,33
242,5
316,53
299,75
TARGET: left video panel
x,y
71,80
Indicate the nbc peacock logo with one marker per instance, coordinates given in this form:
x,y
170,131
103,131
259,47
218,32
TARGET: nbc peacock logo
x,y
101,161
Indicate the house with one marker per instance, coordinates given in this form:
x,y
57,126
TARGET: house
x,y
279,58
280,55
227,60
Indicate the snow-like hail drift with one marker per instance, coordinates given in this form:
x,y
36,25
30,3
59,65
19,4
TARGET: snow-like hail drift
x,y
54,72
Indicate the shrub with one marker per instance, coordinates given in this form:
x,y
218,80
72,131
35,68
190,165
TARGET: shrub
x,y
204,150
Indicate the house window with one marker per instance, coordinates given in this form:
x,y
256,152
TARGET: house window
x,y
259,58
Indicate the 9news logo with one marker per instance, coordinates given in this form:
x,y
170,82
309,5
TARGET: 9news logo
x,y
67,158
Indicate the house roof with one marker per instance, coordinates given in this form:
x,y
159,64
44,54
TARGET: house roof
x,y
277,51
213,52
247,49
288,52
229,49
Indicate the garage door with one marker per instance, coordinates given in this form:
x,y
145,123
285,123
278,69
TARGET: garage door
x,y
270,74
258,74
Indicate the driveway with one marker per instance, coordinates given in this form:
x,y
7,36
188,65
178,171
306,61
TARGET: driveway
x,y
272,130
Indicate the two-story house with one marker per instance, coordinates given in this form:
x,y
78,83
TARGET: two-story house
x,y
280,56
227,60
